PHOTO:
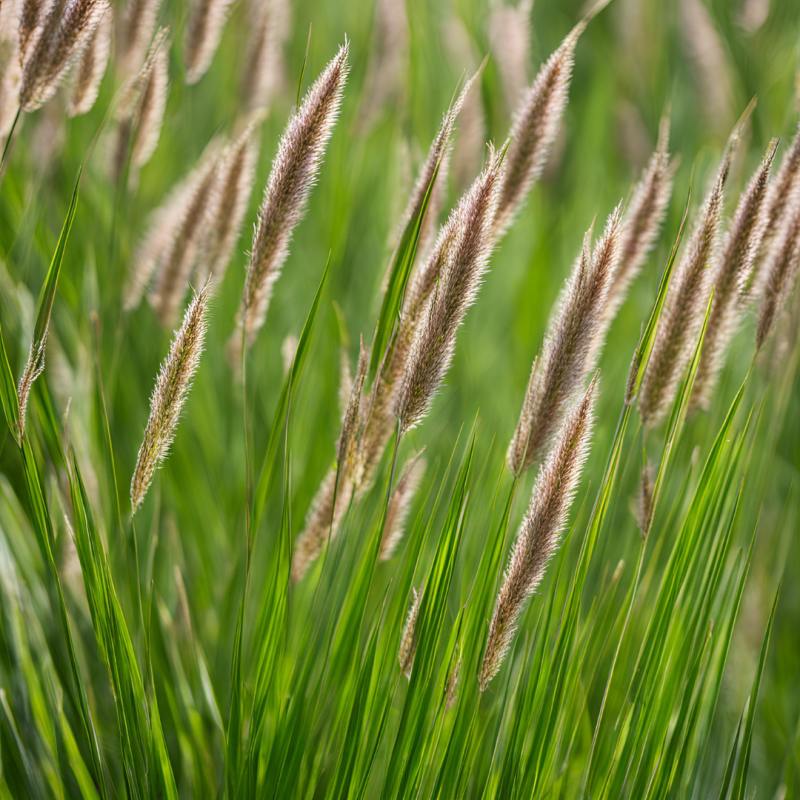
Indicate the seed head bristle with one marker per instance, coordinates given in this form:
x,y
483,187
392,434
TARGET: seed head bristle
x,y
685,304
465,255
510,40
779,191
540,532
780,270
172,387
644,500
400,505
34,367
408,642
203,34
30,19
331,502
91,67
264,69
180,256
294,172
731,279
65,31
643,219
570,349
137,29
235,176
535,127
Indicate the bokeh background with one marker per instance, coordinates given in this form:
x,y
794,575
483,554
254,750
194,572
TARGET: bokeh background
x,y
639,59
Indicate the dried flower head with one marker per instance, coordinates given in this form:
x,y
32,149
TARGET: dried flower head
x,y
535,127
65,31
464,246
685,304
294,172
570,349
225,213
203,34
136,33
400,505
172,387
91,67
781,268
732,277
180,255
540,531
643,219
510,40
333,497
408,643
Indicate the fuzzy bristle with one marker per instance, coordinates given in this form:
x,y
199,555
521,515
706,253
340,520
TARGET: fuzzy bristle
x,y
172,387
535,127
540,532
465,245
91,67
294,172
570,349
732,277
685,304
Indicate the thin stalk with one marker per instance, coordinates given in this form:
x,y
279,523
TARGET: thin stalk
x,y
10,136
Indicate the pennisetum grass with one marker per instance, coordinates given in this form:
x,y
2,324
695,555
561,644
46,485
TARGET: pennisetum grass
x,y
643,218
408,642
91,67
294,171
780,268
400,505
137,27
65,30
169,395
264,68
463,247
510,40
535,127
731,278
570,349
685,303
203,34
540,532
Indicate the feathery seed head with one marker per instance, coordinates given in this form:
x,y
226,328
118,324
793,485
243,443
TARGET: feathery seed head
x,y
685,304
644,501
781,268
180,255
535,127
570,348
65,31
264,68
138,26
10,66
400,505
172,387
779,191
294,172
732,277
510,39
643,219
347,446
408,643
541,529
469,240
91,67
225,214
203,34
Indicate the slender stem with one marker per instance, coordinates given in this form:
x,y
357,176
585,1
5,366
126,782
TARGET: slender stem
x,y
10,136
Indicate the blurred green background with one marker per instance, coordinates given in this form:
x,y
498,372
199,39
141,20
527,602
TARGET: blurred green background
x,y
637,59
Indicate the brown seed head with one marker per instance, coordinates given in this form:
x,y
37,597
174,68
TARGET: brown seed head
x,y
732,277
685,304
65,31
400,505
138,26
294,172
535,127
464,244
203,34
91,67
541,530
172,387
570,349
781,268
